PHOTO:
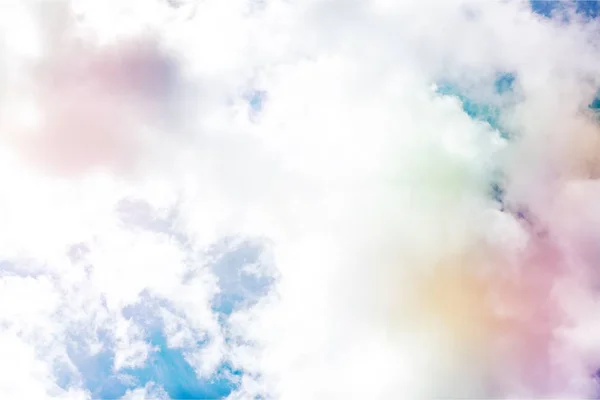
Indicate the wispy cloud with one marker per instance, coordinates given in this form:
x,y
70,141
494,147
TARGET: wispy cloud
x,y
306,199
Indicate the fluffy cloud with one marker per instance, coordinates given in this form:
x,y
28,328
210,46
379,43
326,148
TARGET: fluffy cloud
x,y
304,192
148,392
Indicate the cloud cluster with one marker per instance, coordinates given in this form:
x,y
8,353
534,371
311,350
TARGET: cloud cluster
x,y
312,199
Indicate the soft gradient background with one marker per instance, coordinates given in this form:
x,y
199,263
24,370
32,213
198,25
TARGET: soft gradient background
x,y
305,199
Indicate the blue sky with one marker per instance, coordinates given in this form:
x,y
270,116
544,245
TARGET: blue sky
x,y
166,366
588,8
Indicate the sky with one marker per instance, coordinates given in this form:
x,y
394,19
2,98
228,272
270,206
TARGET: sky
x,y
299,199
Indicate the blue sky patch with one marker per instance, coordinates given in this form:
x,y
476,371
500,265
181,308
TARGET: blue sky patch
x,y
497,193
169,368
256,100
595,104
238,265
548,8
96,372
545,7
241,275
165,366
589,8
504,83
480,111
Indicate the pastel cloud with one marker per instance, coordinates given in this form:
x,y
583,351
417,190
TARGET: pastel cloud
x,y
328,199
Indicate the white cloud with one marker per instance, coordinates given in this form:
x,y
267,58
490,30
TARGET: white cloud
x,y
369,185
24,374
149,392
